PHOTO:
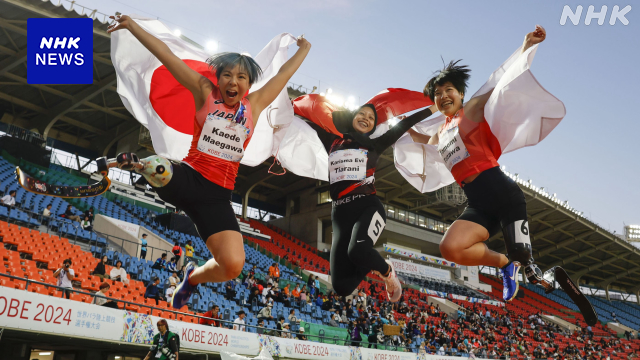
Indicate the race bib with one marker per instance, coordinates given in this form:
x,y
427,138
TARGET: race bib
x,y
451,147
350,164
222,138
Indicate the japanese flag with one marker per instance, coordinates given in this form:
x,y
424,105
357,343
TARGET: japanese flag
x,y
156,99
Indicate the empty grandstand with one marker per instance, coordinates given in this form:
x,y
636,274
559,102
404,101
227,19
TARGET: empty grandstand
x,y
446,309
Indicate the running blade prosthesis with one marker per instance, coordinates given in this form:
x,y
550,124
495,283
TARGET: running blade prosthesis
x,y
124,161
568,286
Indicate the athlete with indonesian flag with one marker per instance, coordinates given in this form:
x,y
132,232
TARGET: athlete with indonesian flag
x,y
225,119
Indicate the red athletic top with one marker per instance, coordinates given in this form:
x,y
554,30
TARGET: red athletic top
x,y
467,148
221,133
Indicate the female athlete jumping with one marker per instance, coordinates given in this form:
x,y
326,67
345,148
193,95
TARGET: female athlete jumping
x,y
495,202
358,215
202,184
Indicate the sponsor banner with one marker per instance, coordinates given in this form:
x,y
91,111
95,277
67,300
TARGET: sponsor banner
x,y
419,256
26,310
460,297
374,354
417,269
130,228
290,348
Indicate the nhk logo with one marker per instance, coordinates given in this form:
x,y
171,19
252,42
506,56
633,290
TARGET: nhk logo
x,y
59,51
617,14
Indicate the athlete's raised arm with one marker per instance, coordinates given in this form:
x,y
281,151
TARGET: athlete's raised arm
x,y
260,99
474,109
199,85
424,139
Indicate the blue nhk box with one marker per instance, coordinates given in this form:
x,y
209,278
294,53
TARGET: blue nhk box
x,y
59,51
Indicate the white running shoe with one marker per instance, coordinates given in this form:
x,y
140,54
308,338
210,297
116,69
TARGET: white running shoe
x,y
392,283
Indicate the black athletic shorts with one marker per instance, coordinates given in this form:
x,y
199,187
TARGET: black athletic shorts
x,y
495,201
207,204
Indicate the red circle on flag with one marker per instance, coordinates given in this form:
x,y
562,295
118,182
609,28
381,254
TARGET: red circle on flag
x,y
172,101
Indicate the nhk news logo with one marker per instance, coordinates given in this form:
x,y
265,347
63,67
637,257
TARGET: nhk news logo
x,y
59,51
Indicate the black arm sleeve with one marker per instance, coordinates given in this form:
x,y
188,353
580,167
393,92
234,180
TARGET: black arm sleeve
x,y
174,344
390,137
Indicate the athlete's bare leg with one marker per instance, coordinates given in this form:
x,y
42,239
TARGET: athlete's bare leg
x,y
464,244
227,249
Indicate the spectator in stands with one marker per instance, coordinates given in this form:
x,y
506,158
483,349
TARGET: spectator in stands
x,y
169,292
286,331
214,314
100,297
69,214
101,268
118,273
161,263
317,282
65,276
355,331
613,316
89,213
188,251
46,213
265,313
274,272
238,323
164,339
295,293
292,317
143,247
86,224
334,320
177,252
174,279
153,291
172,265
250,281
259,330
230,288
9,200
255,295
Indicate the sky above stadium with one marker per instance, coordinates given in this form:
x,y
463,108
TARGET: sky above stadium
x,y
361,47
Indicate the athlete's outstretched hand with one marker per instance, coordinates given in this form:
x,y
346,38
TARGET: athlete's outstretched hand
x,y
537,36
122,22
303,43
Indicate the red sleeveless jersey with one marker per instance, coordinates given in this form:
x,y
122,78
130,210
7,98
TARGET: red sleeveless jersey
x,y
467,148
221,133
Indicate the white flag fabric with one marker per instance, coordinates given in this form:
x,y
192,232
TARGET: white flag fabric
x,y
264,355
520,112
172,130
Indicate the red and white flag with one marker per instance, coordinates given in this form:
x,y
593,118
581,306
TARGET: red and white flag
x,y
520,112
156,99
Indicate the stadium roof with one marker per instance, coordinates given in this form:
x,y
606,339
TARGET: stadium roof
x,y
93,117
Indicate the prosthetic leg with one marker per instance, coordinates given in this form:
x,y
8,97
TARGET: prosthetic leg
x,y
156,169
518,243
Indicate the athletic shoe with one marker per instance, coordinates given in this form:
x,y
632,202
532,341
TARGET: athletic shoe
x,y
510,280
183,292
391,282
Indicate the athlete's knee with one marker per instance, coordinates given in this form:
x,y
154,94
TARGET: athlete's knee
x,y
518,242
231,266
157,170
450,251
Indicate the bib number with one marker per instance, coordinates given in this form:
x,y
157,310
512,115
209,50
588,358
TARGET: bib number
x,y
223,139
451,147
350,164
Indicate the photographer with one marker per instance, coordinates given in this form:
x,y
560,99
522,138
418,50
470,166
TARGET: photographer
x,y
65,275
165,344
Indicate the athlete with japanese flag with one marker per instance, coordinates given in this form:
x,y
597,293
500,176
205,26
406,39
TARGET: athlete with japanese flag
x,y
224,122
470,140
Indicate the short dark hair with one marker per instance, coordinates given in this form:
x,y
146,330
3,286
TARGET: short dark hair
x,y
67,261
163,322
143,235
12,192
458,75
49,205
218,62
163,255
156,279
104,286
119,261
